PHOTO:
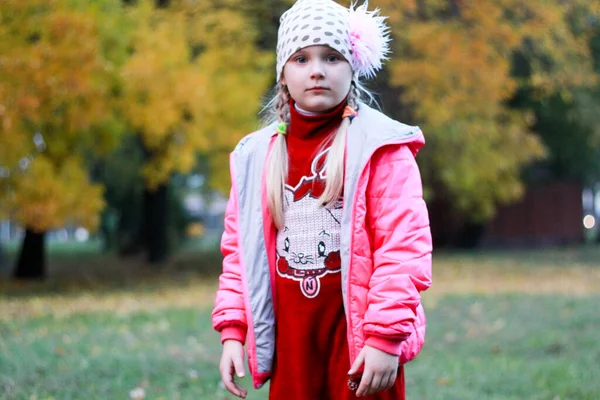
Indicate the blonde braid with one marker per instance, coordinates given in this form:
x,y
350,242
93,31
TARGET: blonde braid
x,y
354,96
277,170
334,166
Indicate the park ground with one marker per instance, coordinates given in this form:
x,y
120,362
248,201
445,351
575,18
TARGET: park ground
x,y
502,325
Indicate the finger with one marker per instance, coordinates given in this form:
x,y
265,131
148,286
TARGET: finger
x,y
229,383
224,370
357,363
393,377
235,389
241,391
388,381
375,385
365,383
239,367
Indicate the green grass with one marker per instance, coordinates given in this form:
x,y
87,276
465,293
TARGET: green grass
x,y
499,328
498,347
509,347
101,355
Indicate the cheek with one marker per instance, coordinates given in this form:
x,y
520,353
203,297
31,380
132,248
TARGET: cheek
x,y
344,78
293,87
291,76
343,88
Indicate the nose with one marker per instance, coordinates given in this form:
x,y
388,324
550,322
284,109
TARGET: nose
x,y
317,71
301,255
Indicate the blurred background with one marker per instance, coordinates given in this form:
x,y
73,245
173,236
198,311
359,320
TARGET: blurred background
x,y
117,118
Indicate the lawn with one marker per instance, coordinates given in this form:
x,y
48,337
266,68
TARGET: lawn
x,y
518,325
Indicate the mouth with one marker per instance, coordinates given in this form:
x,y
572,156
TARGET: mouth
x,y
317,89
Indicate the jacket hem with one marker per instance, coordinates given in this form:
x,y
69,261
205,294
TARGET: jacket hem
x,y
260,378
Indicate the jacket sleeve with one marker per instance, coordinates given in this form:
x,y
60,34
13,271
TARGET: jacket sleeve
x,y
401,243
229,314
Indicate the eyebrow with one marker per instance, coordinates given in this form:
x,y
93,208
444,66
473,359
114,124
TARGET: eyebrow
x,y
327,52
324,233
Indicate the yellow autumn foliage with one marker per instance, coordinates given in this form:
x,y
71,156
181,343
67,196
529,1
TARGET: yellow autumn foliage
x,y
191,83
160,89
54,87
49,196
240,77
181,103
453,62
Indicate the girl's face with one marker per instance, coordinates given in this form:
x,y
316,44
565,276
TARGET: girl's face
x,y
318,78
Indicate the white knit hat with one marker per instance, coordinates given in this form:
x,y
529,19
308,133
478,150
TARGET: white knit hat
x,y
359,35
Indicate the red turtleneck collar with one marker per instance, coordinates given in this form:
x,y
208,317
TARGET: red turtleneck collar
x,y
311,126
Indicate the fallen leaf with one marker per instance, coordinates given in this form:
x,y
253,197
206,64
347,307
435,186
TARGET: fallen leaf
x,y
59,351
193,374
137,394
445,381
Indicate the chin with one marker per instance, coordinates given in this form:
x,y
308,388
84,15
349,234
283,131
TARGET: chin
x,y
319,106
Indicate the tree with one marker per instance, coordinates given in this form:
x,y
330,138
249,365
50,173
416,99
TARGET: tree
x,y
192,84
52,116
568,121
454,63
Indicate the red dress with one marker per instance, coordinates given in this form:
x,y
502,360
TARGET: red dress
x,y
311,348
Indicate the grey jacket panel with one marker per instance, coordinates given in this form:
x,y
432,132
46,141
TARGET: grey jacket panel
x,y
249,158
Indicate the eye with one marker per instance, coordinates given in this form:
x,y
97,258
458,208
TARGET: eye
x,y
300,59
286,245
332,58
322,249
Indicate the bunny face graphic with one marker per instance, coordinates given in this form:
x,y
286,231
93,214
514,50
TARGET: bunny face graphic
x,y
308,247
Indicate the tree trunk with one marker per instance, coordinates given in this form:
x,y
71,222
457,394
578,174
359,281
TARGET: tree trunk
x,y
32,259
130,226
422,9
154,224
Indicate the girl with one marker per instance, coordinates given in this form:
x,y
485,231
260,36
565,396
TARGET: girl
x,y
327,243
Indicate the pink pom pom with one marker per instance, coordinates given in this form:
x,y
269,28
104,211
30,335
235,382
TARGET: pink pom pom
x,y
369,38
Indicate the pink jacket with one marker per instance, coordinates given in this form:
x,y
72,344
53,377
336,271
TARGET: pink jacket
x,y
385,245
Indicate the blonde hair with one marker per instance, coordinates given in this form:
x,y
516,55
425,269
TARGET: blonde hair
x,y
278,110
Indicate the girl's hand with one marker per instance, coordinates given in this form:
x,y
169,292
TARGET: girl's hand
x,y
380,370
232,361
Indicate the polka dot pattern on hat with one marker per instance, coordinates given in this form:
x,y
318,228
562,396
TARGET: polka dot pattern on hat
x,y
310,23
